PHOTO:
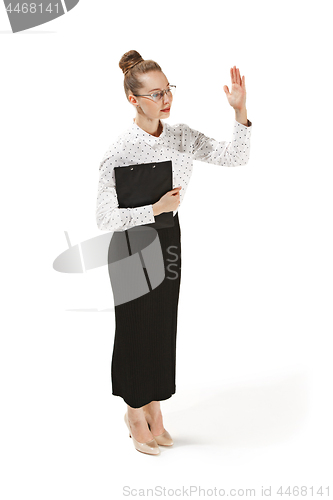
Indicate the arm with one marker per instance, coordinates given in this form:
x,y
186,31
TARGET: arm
x,y
109,216
228,154
237,151
241,117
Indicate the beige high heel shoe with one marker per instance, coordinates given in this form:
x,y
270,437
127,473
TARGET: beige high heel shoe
x,y
150,447
163,439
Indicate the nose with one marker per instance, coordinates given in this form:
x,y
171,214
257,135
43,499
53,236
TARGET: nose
x,y
166,98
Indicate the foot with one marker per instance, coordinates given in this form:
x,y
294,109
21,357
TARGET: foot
x,y
138,425
154,418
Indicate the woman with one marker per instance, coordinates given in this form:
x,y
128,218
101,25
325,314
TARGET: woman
x,y
144,351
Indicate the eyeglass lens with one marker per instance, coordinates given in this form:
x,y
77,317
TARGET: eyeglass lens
x,y
159,95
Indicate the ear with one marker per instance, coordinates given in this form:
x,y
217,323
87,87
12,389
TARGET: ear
x,y
133,100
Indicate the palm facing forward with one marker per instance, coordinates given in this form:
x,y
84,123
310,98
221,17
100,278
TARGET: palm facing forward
x,y
237,96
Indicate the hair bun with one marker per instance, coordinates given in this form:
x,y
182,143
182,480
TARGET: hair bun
x,y
129,59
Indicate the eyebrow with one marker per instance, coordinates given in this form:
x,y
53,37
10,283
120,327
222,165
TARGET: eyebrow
x,y
158,89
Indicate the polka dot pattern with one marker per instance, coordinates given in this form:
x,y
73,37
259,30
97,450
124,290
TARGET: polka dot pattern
x,y
178,143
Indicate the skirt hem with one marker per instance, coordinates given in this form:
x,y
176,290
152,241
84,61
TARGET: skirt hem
x,y
157,398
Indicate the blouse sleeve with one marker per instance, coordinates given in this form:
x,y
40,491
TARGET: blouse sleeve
x,y
109,216
228,154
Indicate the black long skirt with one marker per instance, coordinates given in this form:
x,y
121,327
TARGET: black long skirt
x,y
143,366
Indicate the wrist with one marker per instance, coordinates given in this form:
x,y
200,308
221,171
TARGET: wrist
x,y
241,116
156,209
240,110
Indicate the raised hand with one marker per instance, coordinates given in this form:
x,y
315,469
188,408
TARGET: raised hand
x,y
237,96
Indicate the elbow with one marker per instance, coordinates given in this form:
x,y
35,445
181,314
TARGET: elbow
x,y
107,223
102,223
105,226
102,218
242,160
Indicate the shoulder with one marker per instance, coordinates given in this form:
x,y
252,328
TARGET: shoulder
x,y
116,148
177,128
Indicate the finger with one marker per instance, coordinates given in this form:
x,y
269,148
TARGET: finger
x,y
239,77
233,74
236,75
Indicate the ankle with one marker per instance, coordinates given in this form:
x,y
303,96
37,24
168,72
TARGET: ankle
x,y
135,416
152,408
154,418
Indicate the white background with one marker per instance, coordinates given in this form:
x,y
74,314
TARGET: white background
x,y
254,360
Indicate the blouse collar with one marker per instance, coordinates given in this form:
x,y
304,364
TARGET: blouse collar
x,y
139,133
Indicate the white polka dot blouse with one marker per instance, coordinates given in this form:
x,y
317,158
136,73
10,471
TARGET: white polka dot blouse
x,y
178,143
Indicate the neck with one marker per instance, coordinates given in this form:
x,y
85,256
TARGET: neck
x,y
152,127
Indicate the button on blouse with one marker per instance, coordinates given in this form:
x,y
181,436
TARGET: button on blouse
x,y
178,143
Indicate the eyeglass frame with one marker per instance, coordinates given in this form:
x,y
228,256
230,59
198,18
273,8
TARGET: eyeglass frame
x,y
149,95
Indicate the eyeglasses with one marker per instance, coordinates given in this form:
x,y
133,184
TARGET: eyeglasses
x,y
158,96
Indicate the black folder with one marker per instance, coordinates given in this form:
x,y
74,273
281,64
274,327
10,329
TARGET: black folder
x,y
144,184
